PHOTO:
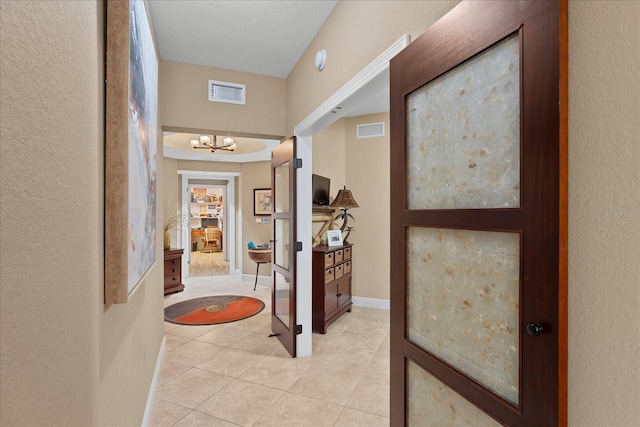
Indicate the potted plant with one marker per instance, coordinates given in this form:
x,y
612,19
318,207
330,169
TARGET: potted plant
x,y
169,223
348,230
344,216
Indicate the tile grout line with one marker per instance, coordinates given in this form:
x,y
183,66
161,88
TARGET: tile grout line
x,y
232,288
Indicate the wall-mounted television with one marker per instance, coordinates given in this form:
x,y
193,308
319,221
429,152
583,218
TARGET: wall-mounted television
x,y
320,190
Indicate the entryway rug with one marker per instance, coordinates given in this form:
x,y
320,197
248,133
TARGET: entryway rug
x,y
213,310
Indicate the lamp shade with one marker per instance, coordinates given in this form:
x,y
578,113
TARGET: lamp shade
x,y
344,199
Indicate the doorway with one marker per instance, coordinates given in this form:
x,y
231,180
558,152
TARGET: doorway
x,y
197,191
356,94
206,223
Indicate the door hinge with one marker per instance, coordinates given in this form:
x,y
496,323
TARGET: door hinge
x,y
298,246
298,329
297,163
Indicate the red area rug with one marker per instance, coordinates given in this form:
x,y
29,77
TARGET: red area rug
x,y
213,310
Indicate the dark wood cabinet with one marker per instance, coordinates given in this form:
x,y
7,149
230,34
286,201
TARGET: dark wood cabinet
x,y
173,271
331,284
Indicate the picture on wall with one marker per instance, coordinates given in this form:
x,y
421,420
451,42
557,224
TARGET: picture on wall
x,y
199,195
130,149
262,201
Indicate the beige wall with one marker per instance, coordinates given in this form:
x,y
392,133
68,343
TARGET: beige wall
x,y
172,196
254,175
368,178
184,106
65,358
330,155
329,159
355,34
604,213
183,91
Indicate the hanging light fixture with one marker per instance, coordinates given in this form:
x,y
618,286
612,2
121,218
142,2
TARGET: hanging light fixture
x,y
205,142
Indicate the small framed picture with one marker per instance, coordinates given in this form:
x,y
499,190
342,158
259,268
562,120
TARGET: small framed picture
x,y
262,201
334,237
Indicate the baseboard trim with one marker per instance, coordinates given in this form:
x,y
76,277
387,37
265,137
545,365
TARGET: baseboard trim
x,y
154,384
383,304
262,280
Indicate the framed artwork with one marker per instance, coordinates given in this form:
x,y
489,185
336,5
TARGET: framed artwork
x,y
262,201
130,149
334,237
199,195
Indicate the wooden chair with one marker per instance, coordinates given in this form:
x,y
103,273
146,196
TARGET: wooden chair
x,y
211,238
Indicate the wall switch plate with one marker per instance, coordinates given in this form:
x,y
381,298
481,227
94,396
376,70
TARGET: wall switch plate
x,y
258,220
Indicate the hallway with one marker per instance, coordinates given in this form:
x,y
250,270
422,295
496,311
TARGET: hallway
x,y
234,374
208,264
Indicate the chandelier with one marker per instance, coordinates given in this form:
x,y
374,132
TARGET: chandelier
x,y
208,142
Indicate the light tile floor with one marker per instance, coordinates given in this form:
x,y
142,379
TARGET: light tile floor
x,y
234,374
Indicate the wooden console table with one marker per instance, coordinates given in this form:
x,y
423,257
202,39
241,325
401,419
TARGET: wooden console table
x,y
173,271
331,284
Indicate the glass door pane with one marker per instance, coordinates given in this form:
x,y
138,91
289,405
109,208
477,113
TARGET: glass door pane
x,y
281,249
282,188
463,134
463,302
430,399
282,290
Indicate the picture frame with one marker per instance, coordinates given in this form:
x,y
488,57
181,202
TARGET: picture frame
x,y
262,205
131,133
334,237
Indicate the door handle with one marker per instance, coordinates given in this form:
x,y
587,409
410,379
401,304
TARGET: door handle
x,y
534,329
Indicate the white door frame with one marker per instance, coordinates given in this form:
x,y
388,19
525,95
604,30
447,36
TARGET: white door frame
x,y
322,117
230,235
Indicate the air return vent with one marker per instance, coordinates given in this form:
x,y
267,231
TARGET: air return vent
x,y
370,130
232,93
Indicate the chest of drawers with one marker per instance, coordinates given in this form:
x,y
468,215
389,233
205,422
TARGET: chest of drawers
x,y
173,271
331,284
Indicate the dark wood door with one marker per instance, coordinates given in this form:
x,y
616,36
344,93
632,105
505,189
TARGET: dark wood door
x,y
479,218
283,230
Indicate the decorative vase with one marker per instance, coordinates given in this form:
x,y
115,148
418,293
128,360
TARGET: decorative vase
x,y
167,240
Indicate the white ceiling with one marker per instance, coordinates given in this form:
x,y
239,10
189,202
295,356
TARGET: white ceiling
x,y
258,36
263,37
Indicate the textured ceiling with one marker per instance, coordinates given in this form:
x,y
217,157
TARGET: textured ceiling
x,y
263,37
258,36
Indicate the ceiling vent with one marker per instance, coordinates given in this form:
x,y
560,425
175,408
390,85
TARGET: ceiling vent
x,y
370,130
232,93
